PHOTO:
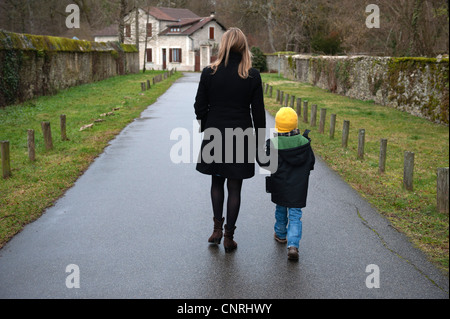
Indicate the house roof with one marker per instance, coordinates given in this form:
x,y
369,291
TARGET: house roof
x,y
179,17
194,25
171,14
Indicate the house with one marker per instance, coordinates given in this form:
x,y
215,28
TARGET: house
x,y
170,38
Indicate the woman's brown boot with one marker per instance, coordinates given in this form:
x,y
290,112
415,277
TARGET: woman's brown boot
x,y
229,244
216,237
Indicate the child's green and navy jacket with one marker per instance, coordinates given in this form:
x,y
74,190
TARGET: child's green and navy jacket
x,y
289,183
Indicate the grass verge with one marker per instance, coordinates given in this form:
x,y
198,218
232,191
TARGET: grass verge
x,y
413,213
35,186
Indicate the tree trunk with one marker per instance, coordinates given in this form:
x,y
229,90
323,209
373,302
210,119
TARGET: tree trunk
x,y
123,12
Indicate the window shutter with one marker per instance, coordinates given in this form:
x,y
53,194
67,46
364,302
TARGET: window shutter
x,y
149,30
181,56
149,55
170,55
211,33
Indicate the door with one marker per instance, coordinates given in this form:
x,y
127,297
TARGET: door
x,y
164,58
197,61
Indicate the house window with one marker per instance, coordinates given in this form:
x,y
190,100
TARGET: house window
x,y
175,55
149,55
149,30
211,33
128,30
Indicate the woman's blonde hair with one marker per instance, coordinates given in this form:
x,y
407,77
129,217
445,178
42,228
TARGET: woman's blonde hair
x,y
234,40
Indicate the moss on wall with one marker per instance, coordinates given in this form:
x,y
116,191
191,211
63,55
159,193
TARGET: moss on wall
x,y
416,85
29,42
33,65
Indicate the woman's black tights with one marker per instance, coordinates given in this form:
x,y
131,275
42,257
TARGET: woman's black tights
x,y
234,187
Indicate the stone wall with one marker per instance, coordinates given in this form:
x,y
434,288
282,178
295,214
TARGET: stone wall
x,y
419,86
32,65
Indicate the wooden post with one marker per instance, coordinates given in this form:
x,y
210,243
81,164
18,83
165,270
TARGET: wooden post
x,y
442,190
286,101
281,97
305,111
361,143
267,88
6,161
408,171
323,116
148,84
270,91
46,129
332,125
63,128
313,122
383,152
345,133
299,107
31,146
278,95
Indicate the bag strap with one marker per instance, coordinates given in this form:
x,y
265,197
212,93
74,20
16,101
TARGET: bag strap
x,y
306,134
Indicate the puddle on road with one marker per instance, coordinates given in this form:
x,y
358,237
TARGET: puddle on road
x,y
141,119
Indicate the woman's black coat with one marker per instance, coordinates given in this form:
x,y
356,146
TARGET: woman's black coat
x,y
225,100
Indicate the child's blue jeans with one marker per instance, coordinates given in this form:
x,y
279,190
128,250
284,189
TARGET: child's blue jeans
x,y
289,225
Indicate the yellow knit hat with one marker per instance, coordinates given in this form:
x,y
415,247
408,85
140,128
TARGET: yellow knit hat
x,y
286,120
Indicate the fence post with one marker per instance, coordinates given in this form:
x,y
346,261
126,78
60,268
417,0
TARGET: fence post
x,y
286,101
361,143
383,152
46,129
267,88
332,125
323,116
345,133
6,161
148,84
305,111
442,190
63,128
31,146
270,91
142,86
299,107
408,171
278,95
281,97
292,101
313,115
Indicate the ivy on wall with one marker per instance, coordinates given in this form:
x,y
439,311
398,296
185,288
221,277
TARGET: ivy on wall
x,y
10,65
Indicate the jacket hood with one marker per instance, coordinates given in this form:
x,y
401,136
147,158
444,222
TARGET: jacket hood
x,y
296,156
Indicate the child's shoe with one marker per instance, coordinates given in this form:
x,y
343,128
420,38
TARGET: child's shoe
x,y
293,253
278,239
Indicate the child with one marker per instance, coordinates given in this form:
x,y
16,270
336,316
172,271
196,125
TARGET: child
x,y
289,183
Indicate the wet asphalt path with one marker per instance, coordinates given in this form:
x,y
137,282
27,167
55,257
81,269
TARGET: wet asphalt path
x,y
137,225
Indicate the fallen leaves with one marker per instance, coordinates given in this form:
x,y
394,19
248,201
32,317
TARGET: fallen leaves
x,y
88,126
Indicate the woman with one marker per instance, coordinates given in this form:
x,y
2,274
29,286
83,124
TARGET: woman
x,y
229,96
